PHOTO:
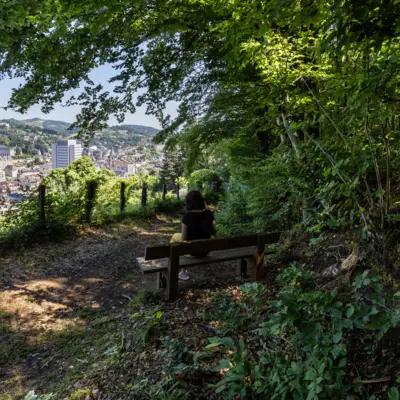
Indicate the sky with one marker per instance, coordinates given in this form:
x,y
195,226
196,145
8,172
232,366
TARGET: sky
x,y
67,114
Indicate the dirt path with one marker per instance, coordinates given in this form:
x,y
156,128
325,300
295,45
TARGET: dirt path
x,y
60,302
47,292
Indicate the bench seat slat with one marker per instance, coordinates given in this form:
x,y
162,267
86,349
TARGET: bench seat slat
x,y
151,266
198,246
155,252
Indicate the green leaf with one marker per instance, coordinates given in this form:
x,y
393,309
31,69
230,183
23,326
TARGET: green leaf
x,y
228,342
216,344
379,193
311,374
393,394
350,311
220,389
338,350
337,337
159,314
223,364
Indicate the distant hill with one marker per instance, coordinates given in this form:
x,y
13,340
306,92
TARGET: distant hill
x,y
60,127
137,129
48,126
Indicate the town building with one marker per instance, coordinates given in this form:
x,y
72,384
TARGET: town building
x,y
65,152
123,169
11,171
96,155
44,169
29,180
5,153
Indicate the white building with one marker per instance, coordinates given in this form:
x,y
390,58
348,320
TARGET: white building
x,y
123,169
11,171
65,152
5,152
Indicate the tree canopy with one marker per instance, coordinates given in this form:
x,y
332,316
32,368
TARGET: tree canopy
x,y
287,55
319,77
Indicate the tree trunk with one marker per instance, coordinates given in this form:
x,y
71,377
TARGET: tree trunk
x,y
291,136
294,141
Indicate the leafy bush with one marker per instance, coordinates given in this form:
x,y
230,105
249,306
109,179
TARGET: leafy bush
x,y
203,177
175,354
211,197
234,310
67,201
235,217
145,326
170,205
306,337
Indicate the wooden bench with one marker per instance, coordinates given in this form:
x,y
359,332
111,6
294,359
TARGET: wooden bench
x,y
166,260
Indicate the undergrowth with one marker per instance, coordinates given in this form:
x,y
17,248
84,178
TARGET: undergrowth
x,y
289,341
55,229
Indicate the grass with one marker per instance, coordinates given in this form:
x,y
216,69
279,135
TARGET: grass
x,y
4,328
71,353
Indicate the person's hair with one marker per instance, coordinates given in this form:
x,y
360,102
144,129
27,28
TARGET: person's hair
x,y
195,201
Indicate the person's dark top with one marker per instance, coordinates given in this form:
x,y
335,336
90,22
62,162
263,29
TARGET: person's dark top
x,y
199,224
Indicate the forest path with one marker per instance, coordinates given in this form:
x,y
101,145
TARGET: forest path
x,y
49,290
62,302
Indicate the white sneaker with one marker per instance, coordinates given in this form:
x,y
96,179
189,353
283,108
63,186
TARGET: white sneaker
x,y
183,276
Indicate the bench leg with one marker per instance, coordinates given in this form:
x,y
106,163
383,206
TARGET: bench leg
x,y
173,270
241,268
257,271
251,262
161,281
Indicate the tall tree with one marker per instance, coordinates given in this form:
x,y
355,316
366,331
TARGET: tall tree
x,y
172,167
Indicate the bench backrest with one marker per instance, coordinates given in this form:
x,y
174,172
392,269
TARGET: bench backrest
x,y
207,245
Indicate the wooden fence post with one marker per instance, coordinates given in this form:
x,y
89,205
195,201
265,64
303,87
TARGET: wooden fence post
x,y
122,199
164,191
42,197
177,190
91,189
144,195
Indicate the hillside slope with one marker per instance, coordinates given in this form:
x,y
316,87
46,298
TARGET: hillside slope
x,y
56,127
39,133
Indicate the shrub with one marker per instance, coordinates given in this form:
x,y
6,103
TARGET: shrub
x,y
203,177
304,342
170,205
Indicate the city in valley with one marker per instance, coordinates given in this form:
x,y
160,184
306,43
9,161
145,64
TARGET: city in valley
x,y
30,149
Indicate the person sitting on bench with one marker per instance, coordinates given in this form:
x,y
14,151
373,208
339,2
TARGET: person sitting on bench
x,y
198,223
